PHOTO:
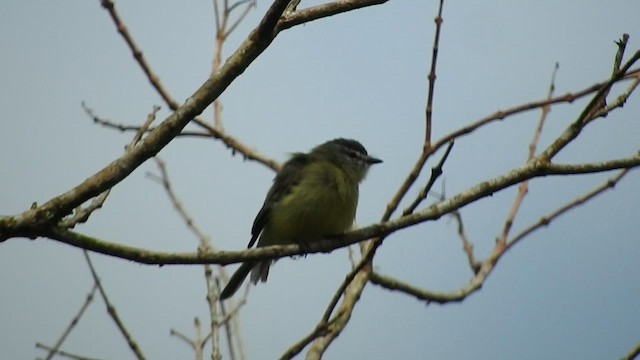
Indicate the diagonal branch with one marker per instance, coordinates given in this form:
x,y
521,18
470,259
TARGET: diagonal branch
x,y
547,219
64,354
588,113
436,171
133,345
427,148
486,267
293,18
74,322
523,189
53,210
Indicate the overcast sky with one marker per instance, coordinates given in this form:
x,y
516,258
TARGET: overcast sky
x,y
570,291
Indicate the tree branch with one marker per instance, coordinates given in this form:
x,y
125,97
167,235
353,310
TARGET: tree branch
x,y
53,210
292,19
487,188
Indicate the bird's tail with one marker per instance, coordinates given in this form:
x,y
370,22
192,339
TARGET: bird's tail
x,y
259,272
236,280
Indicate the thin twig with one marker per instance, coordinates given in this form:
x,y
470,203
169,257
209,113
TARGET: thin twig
x,y
524,186
427,148
214,327
64,354
467,246
196,344
472,127
205,246
200,342
250,4
74,322
230,142
81,214
432,78
137,53
436,171
488,265
588,113
133,345
183,337
122,128
227,324
547,219
601,102
164,180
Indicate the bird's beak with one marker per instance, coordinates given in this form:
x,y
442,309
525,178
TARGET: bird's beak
x,y
371,160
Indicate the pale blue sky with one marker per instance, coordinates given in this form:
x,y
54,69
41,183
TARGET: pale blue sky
x,y
568,292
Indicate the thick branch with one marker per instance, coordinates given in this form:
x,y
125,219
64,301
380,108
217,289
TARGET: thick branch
x,y
527,171
53,210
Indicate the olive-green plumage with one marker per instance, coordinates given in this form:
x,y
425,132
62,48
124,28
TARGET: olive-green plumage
x,y
313,196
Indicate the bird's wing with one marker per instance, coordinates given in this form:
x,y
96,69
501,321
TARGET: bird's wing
x,y
287,178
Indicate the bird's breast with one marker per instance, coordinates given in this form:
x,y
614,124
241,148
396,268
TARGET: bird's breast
x,y
322,204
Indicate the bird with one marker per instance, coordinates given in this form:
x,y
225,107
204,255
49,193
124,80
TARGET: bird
x,y
313,196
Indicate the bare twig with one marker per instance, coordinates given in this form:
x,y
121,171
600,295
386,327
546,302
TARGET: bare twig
x,y
497,116
393,284
524,186
601,102
111,310
483,271
205,246
436,171
547,219
122,128
488,265
223,30
227,324
588,113
164,180
137,53
48,214
467,246
214,132
63,353
619,102
432,78
183,337
197,344
292,18
427,148
74,322
249,4
81,214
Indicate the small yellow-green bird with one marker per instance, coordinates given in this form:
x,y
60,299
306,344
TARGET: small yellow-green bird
x,y
313,196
